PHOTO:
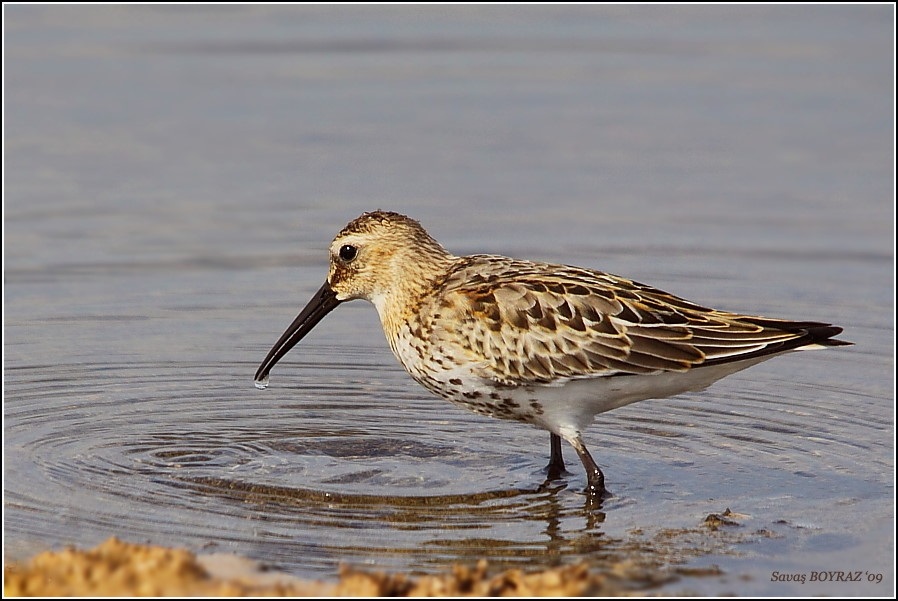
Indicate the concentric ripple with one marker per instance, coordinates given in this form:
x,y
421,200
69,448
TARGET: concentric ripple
x,y
192,452
357,466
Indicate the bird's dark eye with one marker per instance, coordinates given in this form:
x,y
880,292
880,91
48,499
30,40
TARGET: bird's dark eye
x,y
348,252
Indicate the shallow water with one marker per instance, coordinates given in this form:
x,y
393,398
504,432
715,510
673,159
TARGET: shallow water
x,y
174,176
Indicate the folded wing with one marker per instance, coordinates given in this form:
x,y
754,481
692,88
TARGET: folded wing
x,y
526,322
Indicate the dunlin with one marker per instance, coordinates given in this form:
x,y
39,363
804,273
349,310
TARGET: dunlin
x,y
549,345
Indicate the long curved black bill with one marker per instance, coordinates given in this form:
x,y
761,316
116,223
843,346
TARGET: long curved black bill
x,y
324,301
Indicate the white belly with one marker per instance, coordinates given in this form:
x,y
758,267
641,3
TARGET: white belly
x,y
572,406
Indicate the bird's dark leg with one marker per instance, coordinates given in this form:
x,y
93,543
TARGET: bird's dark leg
x,y
595,479
556,462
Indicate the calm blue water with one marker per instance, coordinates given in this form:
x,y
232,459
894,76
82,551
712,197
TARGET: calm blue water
x,y
174,175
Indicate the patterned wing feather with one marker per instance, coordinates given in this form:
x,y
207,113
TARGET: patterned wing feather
x,y
534,322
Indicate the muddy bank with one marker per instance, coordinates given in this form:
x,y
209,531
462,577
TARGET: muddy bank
x,y
118,568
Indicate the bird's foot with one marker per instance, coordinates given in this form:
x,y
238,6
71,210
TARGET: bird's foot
x,y
555,470
595,487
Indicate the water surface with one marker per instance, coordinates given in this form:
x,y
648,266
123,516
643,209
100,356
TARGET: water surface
x,y
174,176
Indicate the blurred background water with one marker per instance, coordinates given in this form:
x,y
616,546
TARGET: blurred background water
x,y
174,175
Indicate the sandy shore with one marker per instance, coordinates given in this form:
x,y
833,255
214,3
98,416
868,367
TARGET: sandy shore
x,y
118,568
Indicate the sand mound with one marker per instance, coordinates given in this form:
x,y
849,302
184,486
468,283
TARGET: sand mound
x,y
118,568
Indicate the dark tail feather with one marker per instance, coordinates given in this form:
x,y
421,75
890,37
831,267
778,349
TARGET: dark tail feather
x,y
809,333
815,331
823,334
